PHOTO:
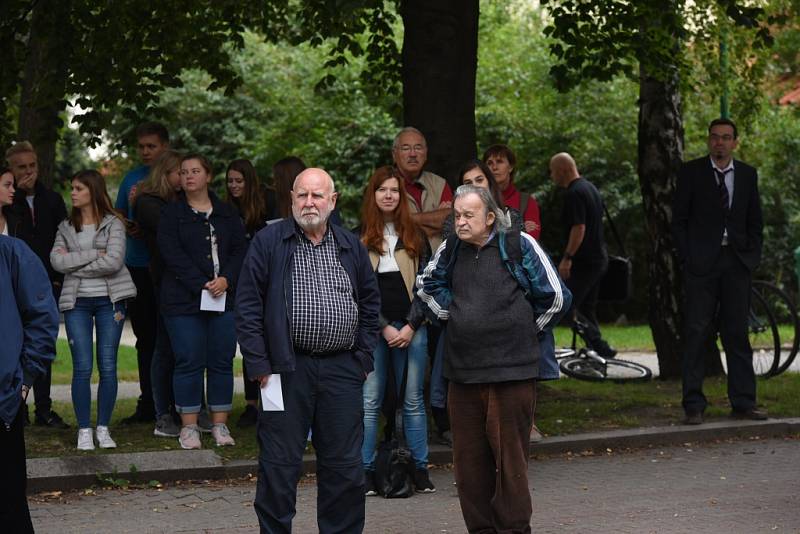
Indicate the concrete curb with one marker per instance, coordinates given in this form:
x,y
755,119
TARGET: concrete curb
x,y
77,472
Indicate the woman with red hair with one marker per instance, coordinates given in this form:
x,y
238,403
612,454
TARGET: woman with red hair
x,y
397,250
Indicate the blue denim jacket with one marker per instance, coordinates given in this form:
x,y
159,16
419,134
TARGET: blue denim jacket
x,y
29,320
264,296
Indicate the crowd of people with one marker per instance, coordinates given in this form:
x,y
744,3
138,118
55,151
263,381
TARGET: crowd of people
x,y
449,288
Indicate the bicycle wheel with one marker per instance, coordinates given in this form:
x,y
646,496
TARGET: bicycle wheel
x,y
584,368
763,333
785,313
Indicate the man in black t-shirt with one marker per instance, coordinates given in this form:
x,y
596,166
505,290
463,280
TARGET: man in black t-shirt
x,y
585,259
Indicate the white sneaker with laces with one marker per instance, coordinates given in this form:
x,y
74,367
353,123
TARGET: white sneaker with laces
x,y
104,438
222,435
85,439
190,437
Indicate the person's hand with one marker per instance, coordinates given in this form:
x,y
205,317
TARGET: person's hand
x,y
101,253
217,286
60,251
445,204
133,229
564,268
531,226
403,338
27,183
389,333
25,390
261,379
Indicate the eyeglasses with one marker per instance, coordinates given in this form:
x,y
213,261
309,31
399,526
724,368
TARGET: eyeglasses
x,y
727,137
408,148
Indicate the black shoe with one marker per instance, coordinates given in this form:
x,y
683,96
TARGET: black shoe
x,y
445,438
693,418
141,415
422,483
752,414
369,485
50,419
249,417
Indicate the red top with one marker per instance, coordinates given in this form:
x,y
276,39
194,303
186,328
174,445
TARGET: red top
x,y
512,198
413,189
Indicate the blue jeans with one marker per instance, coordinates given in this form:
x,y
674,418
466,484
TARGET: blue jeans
x,y
108,318
415,422
438,381
204,341
162,367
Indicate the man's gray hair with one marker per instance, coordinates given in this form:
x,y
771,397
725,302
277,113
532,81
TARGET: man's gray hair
x,y
502,220
407,129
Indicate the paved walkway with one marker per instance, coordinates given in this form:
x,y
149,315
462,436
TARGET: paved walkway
x,y
734,487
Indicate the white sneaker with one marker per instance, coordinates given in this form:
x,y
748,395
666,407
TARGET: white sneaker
x,y
222,435
104,438
85,439
190,437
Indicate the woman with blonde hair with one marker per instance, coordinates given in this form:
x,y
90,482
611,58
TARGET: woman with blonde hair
x,y
159,188
90,250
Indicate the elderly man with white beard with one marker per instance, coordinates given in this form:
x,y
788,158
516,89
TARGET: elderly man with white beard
x,y
307,309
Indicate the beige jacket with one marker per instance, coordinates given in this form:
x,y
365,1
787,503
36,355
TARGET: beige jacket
x,y
77,263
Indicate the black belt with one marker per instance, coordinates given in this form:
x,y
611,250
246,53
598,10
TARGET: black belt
x,y
320,354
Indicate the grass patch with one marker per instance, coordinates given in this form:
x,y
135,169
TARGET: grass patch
x,y
569,406
565,406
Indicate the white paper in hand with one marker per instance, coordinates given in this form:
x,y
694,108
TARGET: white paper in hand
x,y
272,394
209,302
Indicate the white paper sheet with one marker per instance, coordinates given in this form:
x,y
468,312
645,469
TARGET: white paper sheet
x,y
272,395
209,302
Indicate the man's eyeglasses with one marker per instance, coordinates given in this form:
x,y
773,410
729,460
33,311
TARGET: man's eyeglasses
x,y
727,137
408,148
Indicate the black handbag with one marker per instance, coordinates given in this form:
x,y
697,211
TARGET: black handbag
x,y
617,283
394,464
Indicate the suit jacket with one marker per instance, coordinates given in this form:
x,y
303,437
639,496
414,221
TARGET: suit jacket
x,y
698,220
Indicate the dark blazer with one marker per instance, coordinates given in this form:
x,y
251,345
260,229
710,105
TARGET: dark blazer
x,y
263,312
698,220
50,210
183,239
147,213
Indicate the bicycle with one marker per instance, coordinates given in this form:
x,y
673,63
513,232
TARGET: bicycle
x,y
773,316
586,364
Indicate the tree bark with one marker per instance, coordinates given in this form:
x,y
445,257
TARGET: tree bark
x,y
440,59
42,98
660,150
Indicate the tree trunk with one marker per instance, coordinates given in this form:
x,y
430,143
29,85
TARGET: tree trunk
x,y
660,151
440,58
42,98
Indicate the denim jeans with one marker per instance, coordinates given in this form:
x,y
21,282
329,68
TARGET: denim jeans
x,y
438,381
415,421
108,318
203,341
162,367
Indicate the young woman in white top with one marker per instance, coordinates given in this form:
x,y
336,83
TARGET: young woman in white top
x,y
90,250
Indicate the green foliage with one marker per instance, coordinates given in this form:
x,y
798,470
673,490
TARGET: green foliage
x,y
279,111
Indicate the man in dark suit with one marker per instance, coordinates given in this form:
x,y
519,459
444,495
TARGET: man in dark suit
x,y
717,226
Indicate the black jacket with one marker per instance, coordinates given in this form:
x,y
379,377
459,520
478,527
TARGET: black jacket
x,y
147,213
50,210
698,220
185,246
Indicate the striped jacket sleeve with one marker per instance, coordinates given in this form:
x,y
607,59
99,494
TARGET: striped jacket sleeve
x,y
433,285
549,296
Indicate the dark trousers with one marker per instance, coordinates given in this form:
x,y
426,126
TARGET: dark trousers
x,y
14,514
584,283
143,312
41,385
491,425
251,389
324,395
162,368
727,288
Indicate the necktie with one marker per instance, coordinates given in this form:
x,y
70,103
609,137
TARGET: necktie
x,y
724,199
